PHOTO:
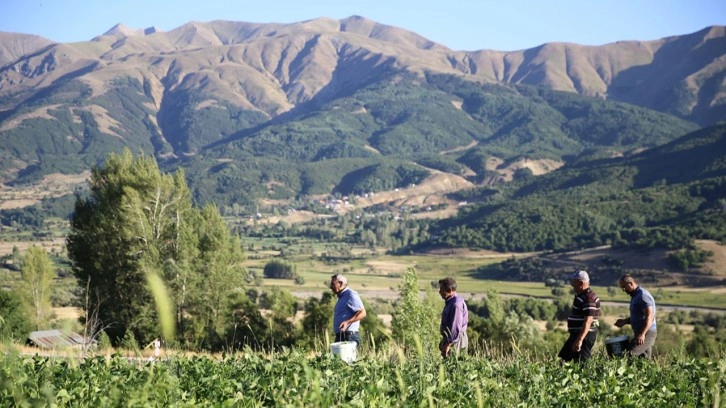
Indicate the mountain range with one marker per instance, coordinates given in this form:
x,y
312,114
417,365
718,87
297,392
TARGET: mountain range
x,y
256,111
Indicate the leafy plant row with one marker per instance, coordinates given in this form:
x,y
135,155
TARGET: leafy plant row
x,y
382,380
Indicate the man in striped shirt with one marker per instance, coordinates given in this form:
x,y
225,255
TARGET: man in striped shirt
x,y
582,320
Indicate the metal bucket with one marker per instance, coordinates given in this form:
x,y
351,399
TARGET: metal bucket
x,y
617,346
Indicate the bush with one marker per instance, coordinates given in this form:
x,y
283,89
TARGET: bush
x,y
279,270
13,317
104,342
129,342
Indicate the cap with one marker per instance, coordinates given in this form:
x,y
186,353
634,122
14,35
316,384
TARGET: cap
x,y
581,276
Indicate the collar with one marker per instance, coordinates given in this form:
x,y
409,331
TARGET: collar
x,y
451,298
343,291
636,291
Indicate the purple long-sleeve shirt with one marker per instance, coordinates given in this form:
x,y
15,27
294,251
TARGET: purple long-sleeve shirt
x,y
454,318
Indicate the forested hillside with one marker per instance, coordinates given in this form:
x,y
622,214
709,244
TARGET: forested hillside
x,y
661,197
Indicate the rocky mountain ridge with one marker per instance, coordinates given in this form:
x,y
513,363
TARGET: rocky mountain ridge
x,y
283,65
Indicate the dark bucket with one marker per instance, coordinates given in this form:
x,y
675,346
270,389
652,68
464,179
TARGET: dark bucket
x,y
617,346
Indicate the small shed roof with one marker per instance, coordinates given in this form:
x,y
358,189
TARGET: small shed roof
x,y
57,339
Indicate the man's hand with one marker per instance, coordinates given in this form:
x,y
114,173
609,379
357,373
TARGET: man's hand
x,y
344,325
640,340
621,322
576,346
445,347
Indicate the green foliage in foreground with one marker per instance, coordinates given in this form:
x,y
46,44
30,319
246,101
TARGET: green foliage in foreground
x,y
293,379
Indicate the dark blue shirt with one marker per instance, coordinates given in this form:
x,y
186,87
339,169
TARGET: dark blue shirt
x,y
640,299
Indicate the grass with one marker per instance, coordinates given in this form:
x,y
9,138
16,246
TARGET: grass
x,y
372,271
382,273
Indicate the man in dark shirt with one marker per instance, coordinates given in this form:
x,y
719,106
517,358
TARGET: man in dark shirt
x,y
454,319
582,321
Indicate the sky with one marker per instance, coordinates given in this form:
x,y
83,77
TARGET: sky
x,y
469,25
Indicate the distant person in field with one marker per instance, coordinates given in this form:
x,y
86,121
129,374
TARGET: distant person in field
x,y
454,320
582,321
642,317
349,310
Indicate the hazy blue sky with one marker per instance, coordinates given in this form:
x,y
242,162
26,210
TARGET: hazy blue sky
x,y
458,24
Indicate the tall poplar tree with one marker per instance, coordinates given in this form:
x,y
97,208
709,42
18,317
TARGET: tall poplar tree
x,y
37,274
145,252
416,320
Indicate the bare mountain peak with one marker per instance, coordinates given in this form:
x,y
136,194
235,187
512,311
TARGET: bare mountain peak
x,y
196,34
122,30
14,46
362,26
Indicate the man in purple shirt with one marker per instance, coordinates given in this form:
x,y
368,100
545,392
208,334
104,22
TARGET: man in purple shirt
x,y
454,319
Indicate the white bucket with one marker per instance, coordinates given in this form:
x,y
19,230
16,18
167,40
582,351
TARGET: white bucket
x,y
616,346
347,350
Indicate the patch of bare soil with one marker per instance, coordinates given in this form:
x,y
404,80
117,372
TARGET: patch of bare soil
x,y
717,263
429,192
387,267
52,185
38,113
537,167
460,148
632,259
291,218
470,253
654,263
67,313
6,247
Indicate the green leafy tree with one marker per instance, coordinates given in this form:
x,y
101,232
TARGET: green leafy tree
x,y
416,321
502,328
216,270
14,321
245,326
318,319
372,328
282,306
17,259
37,274
148,258
277,269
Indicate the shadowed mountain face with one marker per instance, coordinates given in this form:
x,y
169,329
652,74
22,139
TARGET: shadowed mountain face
x,y
210,96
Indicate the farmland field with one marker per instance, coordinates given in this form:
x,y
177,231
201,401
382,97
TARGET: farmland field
x,y
381,379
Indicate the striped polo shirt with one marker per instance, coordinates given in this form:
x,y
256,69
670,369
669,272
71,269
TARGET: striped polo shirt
x,y
585,304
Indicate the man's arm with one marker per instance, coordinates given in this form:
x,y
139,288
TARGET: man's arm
x,y
622,322
649,316
453,330
359,315
585,329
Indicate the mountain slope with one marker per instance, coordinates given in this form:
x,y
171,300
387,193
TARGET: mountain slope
x,y
681,186
289,95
